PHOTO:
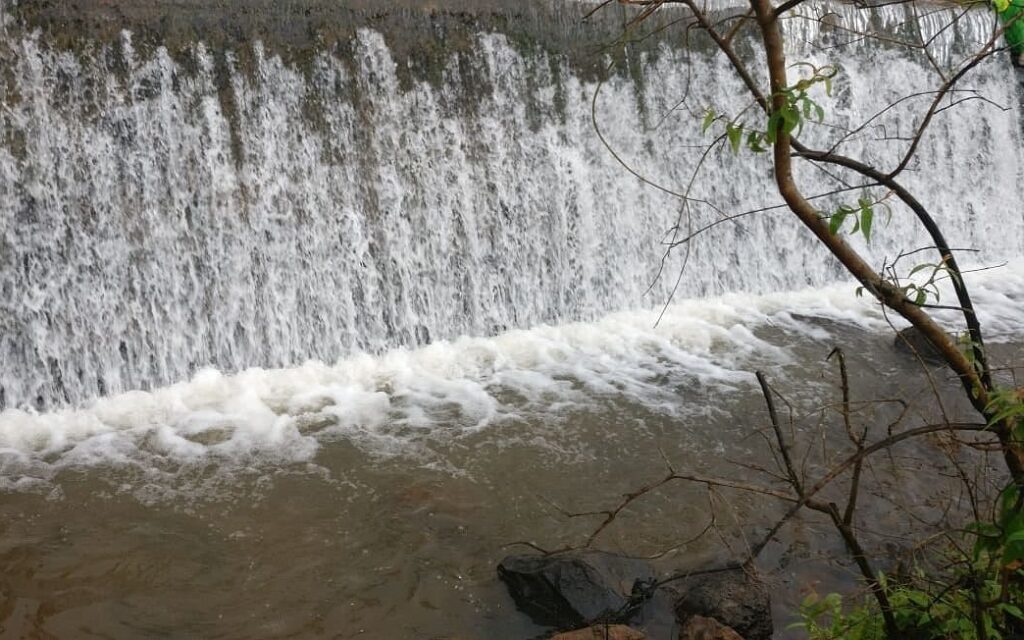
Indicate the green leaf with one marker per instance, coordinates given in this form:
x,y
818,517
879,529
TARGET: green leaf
x,y
836,221
1013,610
918,598
773,127
919,267
735,134
866,217
888,211
790,119
754,142
1013,552
709,117
1005,406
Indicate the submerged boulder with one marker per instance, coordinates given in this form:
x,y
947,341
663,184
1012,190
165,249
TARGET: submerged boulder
x,y
584,590
913,342
572,590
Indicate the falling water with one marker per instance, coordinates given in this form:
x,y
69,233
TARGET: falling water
x,y
167,211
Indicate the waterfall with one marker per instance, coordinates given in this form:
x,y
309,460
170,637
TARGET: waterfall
x,y
167,208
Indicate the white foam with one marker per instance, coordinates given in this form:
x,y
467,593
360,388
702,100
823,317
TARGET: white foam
x,y
337,207
388,404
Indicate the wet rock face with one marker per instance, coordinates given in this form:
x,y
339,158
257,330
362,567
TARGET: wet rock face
x,y
569,591
420,33
297,22
734,598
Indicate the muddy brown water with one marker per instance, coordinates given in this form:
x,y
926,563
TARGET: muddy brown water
x,y
365,542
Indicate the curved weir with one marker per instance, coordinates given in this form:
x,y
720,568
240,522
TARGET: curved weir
x,y
170,207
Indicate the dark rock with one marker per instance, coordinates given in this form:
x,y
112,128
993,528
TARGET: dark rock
x,y
913,342
734,598
572,590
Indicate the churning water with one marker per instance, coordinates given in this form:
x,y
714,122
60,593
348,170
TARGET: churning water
x,y
290,343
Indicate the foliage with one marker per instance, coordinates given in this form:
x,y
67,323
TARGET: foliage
x,y
919,614
1007,405
798,108
978,596
863,217
979,599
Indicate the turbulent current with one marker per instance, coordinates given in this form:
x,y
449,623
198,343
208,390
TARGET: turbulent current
x,y
301,323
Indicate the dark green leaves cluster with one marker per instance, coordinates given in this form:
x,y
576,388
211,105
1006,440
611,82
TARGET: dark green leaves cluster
x,y
936,614
1007,406
1001,543
797,108
863,217
919,292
